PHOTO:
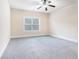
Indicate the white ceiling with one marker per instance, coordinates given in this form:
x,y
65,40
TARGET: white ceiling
x,y
33,4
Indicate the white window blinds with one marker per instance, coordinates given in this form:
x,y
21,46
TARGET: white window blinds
x,y
31,24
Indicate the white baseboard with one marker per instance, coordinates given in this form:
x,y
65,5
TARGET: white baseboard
x,y
65,38
3,49
28,36
57,36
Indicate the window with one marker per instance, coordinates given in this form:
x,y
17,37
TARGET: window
x,y
31,24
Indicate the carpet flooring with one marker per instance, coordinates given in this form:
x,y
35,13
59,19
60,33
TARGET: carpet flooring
x,y
40,48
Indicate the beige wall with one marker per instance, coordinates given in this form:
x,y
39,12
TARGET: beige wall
x,y
64,22
17,23
4,25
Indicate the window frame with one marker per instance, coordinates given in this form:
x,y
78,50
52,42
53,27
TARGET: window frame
x,y
30,24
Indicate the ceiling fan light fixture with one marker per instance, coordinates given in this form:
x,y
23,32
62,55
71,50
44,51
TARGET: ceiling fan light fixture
x,y
49,2
45,6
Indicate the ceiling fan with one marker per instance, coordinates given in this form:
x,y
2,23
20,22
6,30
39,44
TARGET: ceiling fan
x,y
45,4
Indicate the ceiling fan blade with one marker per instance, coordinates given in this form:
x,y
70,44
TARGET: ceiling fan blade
x,y
39,7
45,0
52,6
46,9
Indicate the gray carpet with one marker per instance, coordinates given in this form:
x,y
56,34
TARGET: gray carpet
x,y
40,48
